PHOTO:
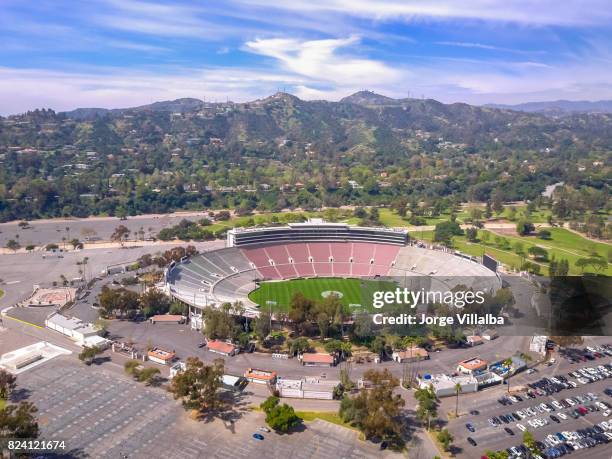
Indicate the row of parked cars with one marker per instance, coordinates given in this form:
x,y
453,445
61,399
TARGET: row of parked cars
x,y
575,407
574,355
591,374
562,443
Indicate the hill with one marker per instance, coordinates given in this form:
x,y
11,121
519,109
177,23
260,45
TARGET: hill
x,y
561,107
281,151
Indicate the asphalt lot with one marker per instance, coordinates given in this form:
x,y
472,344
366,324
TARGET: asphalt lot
x,y
42,232
20,272
101,414
495,438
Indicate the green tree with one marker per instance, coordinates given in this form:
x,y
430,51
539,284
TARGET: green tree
x,y
89,354
13,245
530,442
269,403
261,326
148,375
219,323
496,454
19,421
472,234
198,386
525,227
375,411
444,232
445,438
282,418
299,345
458,390
8,382
538,253
153,302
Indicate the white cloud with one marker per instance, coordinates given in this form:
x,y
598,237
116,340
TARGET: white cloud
x,y
322,61
541,12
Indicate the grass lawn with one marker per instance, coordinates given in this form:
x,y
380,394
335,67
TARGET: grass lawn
x,y
329,416
391,218
2,404
563,245
1,293
353,291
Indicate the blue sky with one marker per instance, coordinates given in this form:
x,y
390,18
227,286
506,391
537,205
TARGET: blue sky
x,y
118,53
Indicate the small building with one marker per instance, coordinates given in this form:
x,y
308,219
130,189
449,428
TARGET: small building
x,y
160,356
413,354
317,359
221,347
95,341
538,344
176,368
313,388
260,376
474,340
445,386
472,366
489,335
167,319
74,328
233,383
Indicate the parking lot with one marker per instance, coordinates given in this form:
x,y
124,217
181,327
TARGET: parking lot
x,y
489,429
99,413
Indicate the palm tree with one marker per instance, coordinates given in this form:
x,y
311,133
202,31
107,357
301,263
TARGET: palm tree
x,y
508,363
458,390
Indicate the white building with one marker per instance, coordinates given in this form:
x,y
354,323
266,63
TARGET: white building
x,y
445,386
314,388
77,330
538,344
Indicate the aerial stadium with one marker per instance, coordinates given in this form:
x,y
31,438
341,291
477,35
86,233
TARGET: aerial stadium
x,y
263,267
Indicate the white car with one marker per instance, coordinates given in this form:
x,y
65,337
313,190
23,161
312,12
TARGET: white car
x,y
557,405
521,427
572,383
562,416
570,401
533,424
606,413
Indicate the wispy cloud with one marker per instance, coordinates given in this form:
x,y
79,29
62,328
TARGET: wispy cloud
x,y
323,60
542,12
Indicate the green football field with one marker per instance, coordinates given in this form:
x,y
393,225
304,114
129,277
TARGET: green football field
x,y
355,293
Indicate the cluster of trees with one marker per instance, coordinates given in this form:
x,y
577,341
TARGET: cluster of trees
x,y
127,304
281,418
17,421
151,163
198,386
377,412
165,258
444,232
427,408
326,316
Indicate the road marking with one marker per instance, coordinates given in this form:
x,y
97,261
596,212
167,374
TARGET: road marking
x,y
24,322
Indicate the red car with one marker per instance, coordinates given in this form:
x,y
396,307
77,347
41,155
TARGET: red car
x,y
582,410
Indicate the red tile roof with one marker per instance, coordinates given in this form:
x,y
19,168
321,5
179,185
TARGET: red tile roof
x,y
310,357
221,346
263,375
